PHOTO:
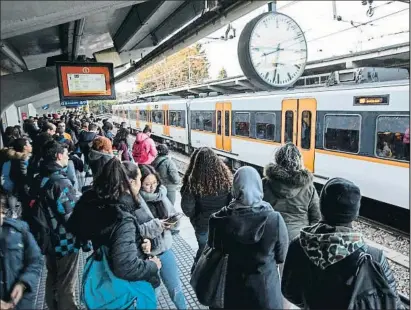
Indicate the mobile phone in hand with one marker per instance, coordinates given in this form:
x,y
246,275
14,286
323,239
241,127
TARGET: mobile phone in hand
x,y
172,220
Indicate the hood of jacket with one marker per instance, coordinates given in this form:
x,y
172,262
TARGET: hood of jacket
x,y
96,155
87,136
245,218
95,217
12,154
245,225
141,137
326,245
48,168
286,183
247,187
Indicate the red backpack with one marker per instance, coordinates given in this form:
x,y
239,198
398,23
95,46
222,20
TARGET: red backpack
x,y
139,153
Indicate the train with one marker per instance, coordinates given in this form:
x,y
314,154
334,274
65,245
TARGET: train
x,y
358,131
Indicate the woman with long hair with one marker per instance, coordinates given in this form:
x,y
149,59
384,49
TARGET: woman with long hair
x,y
105,215
206,189
155,196
120,143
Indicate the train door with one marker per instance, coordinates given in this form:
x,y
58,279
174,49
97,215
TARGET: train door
x,y
223,126
299,123
166,127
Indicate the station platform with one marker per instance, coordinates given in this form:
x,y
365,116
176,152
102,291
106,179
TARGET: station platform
x,y
184,247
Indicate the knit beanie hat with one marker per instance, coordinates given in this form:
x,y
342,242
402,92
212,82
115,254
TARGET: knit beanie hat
x,y
289,157
162,149
340,201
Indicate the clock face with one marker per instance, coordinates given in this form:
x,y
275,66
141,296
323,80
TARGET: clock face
x,y
277,49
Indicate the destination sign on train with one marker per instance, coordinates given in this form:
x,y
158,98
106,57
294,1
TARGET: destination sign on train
x,y
371,100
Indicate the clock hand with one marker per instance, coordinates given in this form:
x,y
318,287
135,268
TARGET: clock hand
x,y
277,50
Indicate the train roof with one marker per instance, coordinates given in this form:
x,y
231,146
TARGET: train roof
x,y
285,92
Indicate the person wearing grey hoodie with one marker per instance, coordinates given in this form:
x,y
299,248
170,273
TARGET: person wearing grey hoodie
x,y
159,209
256,240
168,171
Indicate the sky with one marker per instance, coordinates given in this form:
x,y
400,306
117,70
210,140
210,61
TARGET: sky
x,y
325,36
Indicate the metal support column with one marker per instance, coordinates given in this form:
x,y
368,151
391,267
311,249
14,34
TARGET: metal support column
x,y
272,6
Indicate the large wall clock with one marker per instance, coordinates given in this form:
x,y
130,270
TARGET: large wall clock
x,y
272,51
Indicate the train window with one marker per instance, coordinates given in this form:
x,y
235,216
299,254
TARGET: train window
x,y
207,119
219,122
265,125
227,123
306,130
157,117
133,114
143,115
289,126
342,133
393,137
242,124
175,118
202,121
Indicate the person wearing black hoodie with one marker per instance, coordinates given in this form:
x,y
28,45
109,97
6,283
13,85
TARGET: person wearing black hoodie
x,y
322,259
256,240
84,140
105,215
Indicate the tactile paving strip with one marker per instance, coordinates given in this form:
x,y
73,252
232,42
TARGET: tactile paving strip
x,y
184,255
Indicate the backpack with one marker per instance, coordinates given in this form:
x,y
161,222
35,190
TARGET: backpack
x,y
40,217
370,287
139,153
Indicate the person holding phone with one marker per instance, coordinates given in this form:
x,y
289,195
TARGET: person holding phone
x,y
157,219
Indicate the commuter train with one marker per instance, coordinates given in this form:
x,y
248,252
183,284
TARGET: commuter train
x,y
359,132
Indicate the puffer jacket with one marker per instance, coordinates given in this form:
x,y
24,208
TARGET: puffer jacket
x,y
199,209
21,261
292,193
97,160
168,172
160,208
320,262
148,149
16,166
117,229
60,197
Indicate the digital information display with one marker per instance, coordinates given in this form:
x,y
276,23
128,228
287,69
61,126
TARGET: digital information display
x,y
85,81
372,100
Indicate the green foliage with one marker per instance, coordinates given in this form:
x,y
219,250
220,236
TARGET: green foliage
x,y
222,74
188,66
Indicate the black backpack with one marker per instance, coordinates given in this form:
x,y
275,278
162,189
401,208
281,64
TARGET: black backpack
x,y
40,218
370,287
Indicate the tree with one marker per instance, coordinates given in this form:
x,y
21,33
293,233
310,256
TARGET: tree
x,y
188,66
101,106
222,74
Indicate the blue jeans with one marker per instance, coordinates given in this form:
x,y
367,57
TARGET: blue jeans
x,y
202,238
171,279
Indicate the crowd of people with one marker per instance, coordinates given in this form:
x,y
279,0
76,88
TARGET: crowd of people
x,y
283,242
